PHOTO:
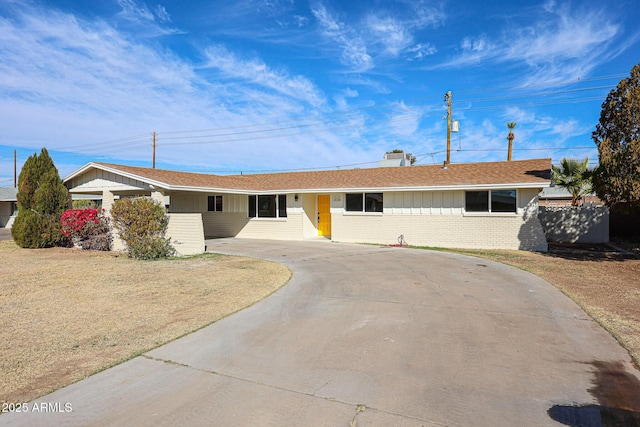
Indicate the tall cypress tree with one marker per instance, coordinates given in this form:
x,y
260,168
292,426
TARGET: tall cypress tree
x,y
42,198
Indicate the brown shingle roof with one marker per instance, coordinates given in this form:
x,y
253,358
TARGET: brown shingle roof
x,y
528,172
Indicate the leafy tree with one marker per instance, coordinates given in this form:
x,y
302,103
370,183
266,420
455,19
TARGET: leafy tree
x,y
42,197
574,176
142,224
617,179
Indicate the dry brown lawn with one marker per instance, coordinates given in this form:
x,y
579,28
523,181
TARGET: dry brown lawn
x,y
606,284
67,313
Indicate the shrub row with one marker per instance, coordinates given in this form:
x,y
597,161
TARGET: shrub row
x,y
87,228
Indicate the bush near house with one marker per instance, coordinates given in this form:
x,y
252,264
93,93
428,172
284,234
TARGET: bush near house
x,y
142,225
42,198
88,228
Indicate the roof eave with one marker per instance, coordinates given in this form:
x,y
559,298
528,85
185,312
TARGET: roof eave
x,y
458,187
89,166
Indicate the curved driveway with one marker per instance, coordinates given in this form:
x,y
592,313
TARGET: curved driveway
x,y
366,335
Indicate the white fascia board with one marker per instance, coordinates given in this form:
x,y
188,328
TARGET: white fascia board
x,y
79,172
209,190
92,165
398,189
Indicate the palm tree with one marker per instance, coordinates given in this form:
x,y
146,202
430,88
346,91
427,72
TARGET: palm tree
x,y
511,126
574,176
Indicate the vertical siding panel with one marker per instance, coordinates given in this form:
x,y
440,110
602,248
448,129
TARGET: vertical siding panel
x,y
417,202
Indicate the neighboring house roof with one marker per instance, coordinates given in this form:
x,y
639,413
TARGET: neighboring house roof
x,y
8,194
555,192
522,174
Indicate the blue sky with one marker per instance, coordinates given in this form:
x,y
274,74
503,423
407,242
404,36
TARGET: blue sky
x,y
288,85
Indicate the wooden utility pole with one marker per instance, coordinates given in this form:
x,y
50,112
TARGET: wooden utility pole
x,y
447,99
153,163
15,168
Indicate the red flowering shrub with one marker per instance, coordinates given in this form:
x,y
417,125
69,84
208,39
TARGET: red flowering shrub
x,y
87,227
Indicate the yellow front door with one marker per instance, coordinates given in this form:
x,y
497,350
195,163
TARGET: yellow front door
x,y
324,216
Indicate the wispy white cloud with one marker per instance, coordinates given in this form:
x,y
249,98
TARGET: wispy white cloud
x,y
381,35
341,98
162,14
427,13
134,11
354,51
152,22
420,51
391,34
257,72
405,122
83,82
561,44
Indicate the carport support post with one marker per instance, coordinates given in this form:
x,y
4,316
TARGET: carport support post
x,y
108,200
158,196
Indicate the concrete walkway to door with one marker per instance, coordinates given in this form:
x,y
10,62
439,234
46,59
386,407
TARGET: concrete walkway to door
x,y
362,335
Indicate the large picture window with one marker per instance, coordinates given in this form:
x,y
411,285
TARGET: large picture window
x,y
268,206
477,201
364,202
503,200
491,201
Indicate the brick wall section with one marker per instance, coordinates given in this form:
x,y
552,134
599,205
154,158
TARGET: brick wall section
x,y
437,219
289,228
223,224
450,230
424,218
186,233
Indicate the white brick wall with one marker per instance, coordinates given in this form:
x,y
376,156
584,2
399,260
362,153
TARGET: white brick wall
x,y
438,219
186,233
289,228
425,218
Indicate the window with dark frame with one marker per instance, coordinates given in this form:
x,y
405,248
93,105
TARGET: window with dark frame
x,y
364,202
477,201
252,207
267,206
214,203
496,201
282,205
373,202
503,200
354,202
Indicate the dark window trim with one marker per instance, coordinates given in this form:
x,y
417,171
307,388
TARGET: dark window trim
x,y
214,203
357,202
279,209
490,201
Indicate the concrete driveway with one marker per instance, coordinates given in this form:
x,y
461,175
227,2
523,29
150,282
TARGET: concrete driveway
x,y
364,335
